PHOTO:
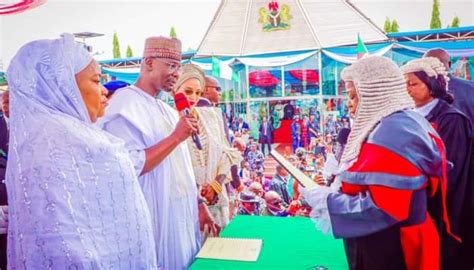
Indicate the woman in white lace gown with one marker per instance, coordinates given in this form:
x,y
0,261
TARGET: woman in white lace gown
x,y
75,201
212,165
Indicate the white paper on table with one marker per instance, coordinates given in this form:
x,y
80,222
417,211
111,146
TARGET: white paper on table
x,y
234,249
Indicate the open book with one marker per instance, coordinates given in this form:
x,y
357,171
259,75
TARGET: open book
x,y
298,175
234,249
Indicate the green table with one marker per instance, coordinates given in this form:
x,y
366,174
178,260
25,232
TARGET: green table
x,y
288,243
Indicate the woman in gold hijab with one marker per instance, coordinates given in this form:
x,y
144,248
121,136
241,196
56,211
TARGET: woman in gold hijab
x,y
211,164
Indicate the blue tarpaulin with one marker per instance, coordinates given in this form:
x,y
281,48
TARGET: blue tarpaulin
x,y
125,74
400,52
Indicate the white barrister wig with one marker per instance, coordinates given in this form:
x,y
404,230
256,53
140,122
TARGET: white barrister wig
x,y
381,90
430,65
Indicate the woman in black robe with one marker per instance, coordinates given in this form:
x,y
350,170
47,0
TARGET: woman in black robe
x,y
427,85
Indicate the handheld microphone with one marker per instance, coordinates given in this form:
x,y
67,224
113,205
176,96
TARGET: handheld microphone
x,y
182,105
342,137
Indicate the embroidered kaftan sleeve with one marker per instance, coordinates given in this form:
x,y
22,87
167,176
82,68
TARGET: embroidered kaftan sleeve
x,y
121,128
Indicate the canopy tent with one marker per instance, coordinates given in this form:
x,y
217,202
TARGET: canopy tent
x,y
243,28
308,75
407,50
263,79
136,60
128,75
453,33
17,6
455,49
275,59
263,60
399,51
348,55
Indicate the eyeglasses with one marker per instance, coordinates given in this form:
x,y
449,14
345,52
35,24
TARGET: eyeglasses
x,y
218,88
277,202
172,67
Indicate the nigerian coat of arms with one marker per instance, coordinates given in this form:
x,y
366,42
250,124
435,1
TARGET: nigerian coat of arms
x,y
275,17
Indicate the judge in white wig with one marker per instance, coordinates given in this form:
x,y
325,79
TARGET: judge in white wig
x,y
75,202
427,81
391,165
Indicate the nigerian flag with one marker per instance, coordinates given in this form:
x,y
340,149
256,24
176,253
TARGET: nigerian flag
x,y
235,75
216,67
361,49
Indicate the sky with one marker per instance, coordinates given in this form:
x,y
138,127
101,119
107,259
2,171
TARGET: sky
x,y
135,20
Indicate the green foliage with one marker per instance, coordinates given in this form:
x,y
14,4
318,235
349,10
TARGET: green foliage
x,y
456,22
395,27
173,33
129,52
387,26
116,47
435,20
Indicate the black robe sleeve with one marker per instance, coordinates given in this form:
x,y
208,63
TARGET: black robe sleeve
x,y
454,130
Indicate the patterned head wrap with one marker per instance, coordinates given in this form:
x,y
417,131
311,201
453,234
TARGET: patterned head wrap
x,y
189,71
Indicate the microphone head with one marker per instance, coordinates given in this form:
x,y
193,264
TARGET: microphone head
x,y
181,101
343,135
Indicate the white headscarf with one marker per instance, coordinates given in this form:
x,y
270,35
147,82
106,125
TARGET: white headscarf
x,y
75,202
43,71
381,90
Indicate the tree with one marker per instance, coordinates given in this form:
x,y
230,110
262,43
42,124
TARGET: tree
x,y
173,33
129,52
435,20
395,27
455,22
116,49
387,26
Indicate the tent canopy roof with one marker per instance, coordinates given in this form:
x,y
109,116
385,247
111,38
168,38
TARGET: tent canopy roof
x,y
241,28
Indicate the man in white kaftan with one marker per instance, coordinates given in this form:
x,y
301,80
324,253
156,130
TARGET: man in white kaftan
x,y
141,120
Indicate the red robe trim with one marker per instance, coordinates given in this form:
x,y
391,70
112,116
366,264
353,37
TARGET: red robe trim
x,y
420,243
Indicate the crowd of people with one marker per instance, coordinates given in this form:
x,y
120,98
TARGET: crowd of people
x,y
281,187
141,185
390,141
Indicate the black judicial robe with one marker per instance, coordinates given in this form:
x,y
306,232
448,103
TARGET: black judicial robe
x,y
456,132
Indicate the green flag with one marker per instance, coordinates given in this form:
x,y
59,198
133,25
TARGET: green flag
x,y
216,68
361,49
235,75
